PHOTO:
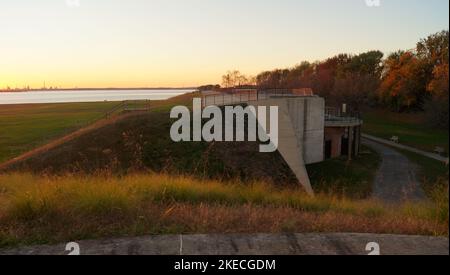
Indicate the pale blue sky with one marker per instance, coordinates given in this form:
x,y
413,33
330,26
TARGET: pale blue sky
x,y
190,42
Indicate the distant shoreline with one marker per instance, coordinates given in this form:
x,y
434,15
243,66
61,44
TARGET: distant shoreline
x,y
98,89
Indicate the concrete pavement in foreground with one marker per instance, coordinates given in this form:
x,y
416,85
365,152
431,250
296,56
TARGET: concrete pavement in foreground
x,y
255,244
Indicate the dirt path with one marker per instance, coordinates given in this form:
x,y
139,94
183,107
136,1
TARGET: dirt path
x,y
396,180
252,244
64,139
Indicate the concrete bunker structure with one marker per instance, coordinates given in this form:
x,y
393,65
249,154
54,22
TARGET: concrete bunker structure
x,y
308,131
342,134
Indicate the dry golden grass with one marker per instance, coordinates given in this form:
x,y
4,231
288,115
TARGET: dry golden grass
x,y
37,210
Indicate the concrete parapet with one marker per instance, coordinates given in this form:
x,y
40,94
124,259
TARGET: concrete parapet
x,y
301,132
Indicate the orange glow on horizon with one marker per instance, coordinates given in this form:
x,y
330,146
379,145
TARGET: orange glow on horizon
x,y
188,43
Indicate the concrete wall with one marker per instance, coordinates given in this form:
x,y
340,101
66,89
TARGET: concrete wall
x,y
314,130
301,132
335,135
308,119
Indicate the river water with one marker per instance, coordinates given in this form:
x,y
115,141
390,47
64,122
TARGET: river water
x,y
56,96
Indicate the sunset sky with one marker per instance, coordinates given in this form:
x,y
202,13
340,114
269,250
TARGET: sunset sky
x,y
153,43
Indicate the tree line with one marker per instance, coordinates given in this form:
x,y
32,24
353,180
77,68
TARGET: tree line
x,y
404,81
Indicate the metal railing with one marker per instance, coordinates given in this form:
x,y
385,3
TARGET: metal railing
x,y
230,98
337,115
129,106
233,97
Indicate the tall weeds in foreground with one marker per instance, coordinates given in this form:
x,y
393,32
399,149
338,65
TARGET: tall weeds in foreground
x,y
439,193
45,209
28,197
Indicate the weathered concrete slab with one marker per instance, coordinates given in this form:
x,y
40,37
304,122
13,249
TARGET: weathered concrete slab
x,y
256,244
301,133
151,245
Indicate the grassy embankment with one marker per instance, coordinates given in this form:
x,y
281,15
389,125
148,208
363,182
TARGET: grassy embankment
x,y
37,209
29,125
26,126
41,210
412,129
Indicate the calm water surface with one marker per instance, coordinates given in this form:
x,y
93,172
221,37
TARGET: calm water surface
x,y
87,96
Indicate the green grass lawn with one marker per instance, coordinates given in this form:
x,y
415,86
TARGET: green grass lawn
x,y
23,127
26,126
410,128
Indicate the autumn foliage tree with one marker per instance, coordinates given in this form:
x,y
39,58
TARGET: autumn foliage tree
x,y
437,108
352,79
404,81
418,80
415,80
434,50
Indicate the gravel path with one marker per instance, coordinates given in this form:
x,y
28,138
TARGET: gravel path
x,y
396,180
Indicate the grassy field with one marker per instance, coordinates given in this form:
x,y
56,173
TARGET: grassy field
x,y
23,127
43,210
410,128
26,126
